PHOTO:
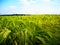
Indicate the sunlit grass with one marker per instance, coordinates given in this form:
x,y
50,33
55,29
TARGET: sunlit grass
x,y
30,30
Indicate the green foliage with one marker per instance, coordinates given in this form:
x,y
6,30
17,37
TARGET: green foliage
x,y
3,34
30,30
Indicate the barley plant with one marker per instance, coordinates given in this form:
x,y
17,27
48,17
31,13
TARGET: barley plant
x,y
30,30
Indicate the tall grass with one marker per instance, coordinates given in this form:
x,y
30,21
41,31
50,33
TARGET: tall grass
x,y
30,30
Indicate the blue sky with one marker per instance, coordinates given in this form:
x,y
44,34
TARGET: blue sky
x,y
29,6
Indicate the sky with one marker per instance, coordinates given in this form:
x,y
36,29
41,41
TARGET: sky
x,y
29,6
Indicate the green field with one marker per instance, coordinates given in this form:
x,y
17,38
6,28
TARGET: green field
x,y
30,30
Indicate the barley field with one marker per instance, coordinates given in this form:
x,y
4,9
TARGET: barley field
x,y
30,30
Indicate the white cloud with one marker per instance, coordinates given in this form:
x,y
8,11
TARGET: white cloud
x,y
24,2
30,8
46,0
28,2
39,10
9,9
34,8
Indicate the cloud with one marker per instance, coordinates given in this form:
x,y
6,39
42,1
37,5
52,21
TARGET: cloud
x,y
39,10
9,9
30,7
46,0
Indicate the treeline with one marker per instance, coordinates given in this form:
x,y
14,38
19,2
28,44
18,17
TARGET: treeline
x,y
15,15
